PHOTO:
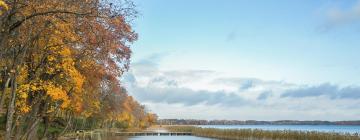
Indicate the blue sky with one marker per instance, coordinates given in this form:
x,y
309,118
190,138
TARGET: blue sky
x,y
243,59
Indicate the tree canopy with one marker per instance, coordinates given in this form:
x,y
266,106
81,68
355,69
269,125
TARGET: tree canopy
x,y
60,63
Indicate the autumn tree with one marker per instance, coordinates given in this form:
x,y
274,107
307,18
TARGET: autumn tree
x,y
61,61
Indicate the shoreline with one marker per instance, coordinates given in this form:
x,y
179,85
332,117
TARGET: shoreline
x,y
255,122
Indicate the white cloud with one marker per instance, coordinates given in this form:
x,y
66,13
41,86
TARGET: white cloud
x,y
202,94
340,16
337,16
327,90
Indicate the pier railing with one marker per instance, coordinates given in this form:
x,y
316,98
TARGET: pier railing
x,y
153,134
143,133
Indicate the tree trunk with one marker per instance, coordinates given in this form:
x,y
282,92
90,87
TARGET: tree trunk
x,y
19,129
11,109
32,120
46,123
67,125
15,123
31,133
2,98
31,117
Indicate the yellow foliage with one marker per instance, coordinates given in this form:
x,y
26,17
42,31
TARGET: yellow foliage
x,y
56,94
65,52
127,117
23,108
23,90
68,66
3,7
51,58
23,73
22,93
143,123
60,62
77,104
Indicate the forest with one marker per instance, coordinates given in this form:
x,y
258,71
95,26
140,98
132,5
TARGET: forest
x,y
61,62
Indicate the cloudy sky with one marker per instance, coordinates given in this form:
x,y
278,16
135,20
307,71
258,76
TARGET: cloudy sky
x,y
242,59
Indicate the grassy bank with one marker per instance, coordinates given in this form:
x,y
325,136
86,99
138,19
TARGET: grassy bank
x,y
255,134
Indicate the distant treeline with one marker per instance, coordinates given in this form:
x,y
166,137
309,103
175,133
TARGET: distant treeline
x,y
251,122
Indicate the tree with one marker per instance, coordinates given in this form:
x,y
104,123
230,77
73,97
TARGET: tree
x,y
60,60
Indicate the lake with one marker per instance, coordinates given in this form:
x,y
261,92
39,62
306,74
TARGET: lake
x,y
321,128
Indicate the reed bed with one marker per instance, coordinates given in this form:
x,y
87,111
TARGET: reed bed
x,y
257,134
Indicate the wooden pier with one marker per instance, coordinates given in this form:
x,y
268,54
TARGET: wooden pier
x,y
153,134
98,134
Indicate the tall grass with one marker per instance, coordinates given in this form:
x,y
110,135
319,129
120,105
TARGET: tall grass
x,y
257,134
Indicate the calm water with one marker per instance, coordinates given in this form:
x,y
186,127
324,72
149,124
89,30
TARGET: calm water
x,y
320,128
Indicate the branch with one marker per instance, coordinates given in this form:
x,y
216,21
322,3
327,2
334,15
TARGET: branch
x,y
18,23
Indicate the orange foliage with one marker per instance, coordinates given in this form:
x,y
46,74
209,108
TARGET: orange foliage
x,y
69,57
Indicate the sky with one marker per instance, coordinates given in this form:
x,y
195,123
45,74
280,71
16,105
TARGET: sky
x,y
247,59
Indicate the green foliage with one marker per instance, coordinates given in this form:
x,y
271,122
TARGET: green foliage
x,y
52,130
122,125
2,122
84,123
